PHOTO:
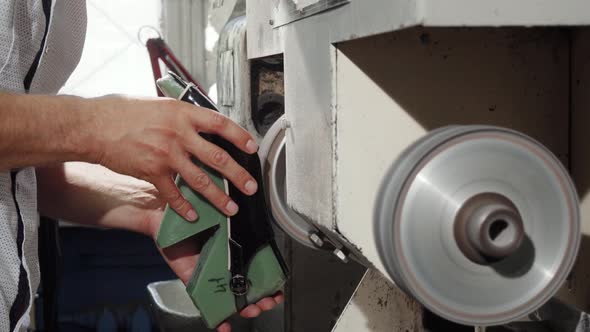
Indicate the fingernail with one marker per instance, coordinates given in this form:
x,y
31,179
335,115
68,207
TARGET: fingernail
x,y
191,215
251,186
232,207
251,146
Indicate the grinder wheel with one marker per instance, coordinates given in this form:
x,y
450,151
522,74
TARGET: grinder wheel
x,y
273,159
480,224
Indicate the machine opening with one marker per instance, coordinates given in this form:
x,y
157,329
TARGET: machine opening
x,y
497,228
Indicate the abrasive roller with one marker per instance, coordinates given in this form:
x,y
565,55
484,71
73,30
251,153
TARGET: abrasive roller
x,y
240,262
273,162
480,224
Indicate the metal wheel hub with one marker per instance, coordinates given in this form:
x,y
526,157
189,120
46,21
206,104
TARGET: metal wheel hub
x,y
480,224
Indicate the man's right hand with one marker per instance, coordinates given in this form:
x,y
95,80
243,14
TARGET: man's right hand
x,y
148,138
154,138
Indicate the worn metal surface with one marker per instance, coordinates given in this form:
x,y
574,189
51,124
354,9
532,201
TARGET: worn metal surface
x,y
576,291
233,75
304,3
366,18
504,12
378,306
289,11
554,316
222,11
263,40
318,290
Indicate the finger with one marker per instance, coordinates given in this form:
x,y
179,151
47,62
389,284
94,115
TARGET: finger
x,y
266,304
224,327
222,162
202,183
172,195
250,311
212,122
279,297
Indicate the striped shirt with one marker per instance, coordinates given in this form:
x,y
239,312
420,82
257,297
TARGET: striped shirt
x,y
41,43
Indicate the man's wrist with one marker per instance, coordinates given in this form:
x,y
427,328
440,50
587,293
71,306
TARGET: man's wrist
x,y
86,142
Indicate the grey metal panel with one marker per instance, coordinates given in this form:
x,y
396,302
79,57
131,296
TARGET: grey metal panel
x,y
318,290
378,306
370,17
308,94
226,96
357,19
366,18
504,12
233,74
263,40
577,290
300,4
290,12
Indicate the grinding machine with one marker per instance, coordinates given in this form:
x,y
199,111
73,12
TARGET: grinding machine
x,y
438,147
432,142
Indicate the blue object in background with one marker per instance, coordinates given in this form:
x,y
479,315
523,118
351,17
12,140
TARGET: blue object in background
x,y
102,285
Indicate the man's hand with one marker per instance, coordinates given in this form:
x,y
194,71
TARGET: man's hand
x,y
153,139
95,196
149,138
182,259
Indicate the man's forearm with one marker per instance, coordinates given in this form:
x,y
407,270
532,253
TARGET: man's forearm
x,y
147,138
95,196
39,130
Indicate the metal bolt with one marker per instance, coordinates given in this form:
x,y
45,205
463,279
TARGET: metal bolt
x,y
341,255
315,238
239,285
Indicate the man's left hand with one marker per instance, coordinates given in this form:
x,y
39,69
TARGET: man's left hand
x,y
182,259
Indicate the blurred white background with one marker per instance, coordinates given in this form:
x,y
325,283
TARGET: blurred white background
x,y
114,60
